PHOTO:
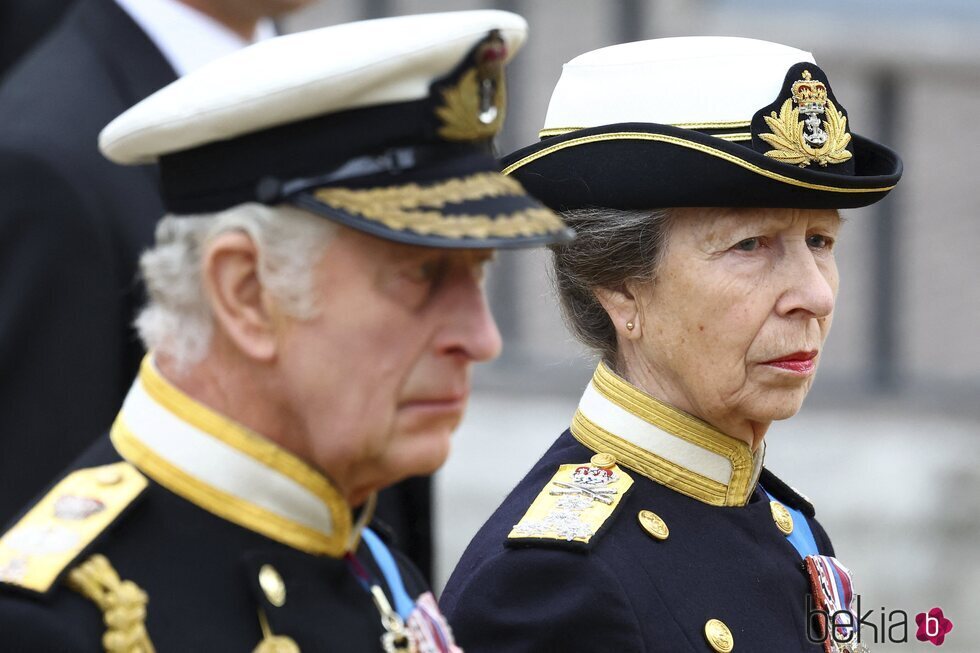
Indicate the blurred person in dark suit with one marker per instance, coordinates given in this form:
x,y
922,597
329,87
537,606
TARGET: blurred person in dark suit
x,y
23,23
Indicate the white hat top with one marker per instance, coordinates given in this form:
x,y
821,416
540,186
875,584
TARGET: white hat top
x,y
684,81
303,75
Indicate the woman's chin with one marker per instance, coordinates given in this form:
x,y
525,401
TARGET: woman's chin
x,y
776,404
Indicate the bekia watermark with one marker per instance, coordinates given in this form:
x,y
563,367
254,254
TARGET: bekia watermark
x,y
851,630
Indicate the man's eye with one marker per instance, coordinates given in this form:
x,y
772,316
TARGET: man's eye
x,y
747,245
819,241
425,272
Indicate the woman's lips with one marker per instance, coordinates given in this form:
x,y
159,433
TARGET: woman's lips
x,y
801,362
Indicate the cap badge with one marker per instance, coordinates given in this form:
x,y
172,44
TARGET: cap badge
x,y
799,135
473,108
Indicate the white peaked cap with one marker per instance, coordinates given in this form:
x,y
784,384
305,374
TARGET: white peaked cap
x,y
700,121
672,81
299,76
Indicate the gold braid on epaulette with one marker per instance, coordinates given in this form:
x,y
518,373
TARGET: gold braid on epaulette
x,y
122,602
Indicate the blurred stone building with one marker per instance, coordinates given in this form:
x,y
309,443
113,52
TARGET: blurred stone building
x,y
888,444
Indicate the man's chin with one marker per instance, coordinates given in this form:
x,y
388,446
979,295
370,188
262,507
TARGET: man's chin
x,y
420,452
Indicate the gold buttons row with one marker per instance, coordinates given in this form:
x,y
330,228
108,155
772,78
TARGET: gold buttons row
x,y
718,634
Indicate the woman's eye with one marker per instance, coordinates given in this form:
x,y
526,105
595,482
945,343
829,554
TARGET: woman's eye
x,y
747,245
819,241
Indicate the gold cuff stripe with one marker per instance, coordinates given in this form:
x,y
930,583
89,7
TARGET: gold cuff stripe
x,y
682,425
403,208
649,464
220,503
673,140
248,442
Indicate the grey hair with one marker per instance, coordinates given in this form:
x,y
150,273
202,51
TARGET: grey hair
x,y
612,246
177,318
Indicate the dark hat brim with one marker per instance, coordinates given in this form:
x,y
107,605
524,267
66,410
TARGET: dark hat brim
x,y
458,204
648,165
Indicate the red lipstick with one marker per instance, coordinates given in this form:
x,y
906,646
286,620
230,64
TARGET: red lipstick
x,y
801,362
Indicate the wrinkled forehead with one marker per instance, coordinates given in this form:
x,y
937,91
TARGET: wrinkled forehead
x,y
718,221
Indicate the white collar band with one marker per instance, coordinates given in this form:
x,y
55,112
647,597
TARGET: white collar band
x,y
665,444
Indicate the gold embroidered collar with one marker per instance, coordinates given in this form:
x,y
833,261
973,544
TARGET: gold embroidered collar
x,y
664,444
229,470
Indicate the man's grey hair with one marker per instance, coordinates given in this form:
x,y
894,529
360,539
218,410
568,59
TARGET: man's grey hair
x,y
611,247
177,319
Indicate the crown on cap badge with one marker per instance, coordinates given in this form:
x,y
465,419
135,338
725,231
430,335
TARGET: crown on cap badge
x,y
473,108
799,136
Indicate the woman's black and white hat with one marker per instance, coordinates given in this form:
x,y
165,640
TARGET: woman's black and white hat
x,y
700,121
384,126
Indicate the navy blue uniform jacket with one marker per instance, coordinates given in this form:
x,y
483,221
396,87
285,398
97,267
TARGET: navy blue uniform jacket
x,y
625,589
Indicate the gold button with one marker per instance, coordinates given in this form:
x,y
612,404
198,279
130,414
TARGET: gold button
x,y
784,520
271,583
653,525
603,460
719,637
108,476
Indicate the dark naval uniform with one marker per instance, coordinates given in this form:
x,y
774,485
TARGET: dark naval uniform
x,y
641,529
185,532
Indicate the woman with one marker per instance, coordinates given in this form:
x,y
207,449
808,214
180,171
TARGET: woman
x,y
651,525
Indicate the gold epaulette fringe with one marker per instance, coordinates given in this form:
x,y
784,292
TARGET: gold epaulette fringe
x,y
122,602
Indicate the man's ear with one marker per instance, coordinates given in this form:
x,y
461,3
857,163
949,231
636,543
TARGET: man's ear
x,y
242,310
623,310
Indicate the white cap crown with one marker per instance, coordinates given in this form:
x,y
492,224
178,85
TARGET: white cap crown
x,y
299,76
682,81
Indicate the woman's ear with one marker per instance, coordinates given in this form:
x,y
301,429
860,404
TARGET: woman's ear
x,y
623,310
242,310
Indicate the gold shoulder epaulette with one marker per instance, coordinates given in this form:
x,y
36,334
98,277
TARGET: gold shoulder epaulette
x,y
575,503
44,543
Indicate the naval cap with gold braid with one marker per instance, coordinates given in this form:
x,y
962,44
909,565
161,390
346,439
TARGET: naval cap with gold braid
x,y
700,121
385,126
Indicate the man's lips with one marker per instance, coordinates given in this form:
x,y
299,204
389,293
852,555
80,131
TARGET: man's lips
x,y
450,402
800,362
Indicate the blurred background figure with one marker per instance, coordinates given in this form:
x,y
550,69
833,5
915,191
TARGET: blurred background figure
x,y
72,224
22,24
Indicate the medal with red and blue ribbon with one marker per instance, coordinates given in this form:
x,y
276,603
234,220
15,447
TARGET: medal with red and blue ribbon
x,y
832,589
410,626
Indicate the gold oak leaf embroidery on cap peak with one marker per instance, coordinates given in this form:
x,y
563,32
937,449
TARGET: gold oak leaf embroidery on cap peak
x,y
811,140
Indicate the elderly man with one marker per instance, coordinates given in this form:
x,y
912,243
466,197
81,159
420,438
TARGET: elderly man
x,y
702,176
315,305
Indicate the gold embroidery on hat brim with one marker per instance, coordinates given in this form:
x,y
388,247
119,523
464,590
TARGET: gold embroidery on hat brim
x,y
791,147
411,207
681,142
